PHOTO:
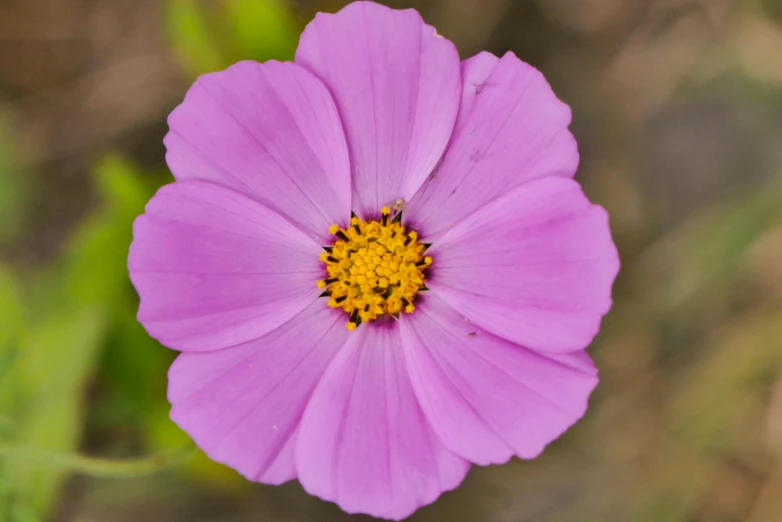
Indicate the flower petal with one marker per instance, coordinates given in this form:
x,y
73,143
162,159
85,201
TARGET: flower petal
x,y
364,442
485,397
475,70
214,268
397,87
511,129
243,405
270,131
535,267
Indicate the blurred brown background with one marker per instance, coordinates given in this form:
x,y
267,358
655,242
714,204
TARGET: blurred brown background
x,y
678,113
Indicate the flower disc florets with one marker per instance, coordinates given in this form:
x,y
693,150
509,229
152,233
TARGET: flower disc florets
x,y
374,268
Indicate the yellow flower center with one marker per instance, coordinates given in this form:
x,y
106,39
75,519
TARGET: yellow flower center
x,y
374,268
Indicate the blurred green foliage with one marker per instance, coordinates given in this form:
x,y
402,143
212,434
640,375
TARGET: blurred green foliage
x,y
69,331
689,353
60,327
211,37
191,37
55,324
12,189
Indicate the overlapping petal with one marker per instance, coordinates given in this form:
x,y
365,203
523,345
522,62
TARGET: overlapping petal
x,y
535,266
487,398
511,129
243,405
475,70
214,268
397,87
270,131
364,441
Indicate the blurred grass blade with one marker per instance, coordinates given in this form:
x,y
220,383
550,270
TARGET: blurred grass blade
x,y
711,407
702,257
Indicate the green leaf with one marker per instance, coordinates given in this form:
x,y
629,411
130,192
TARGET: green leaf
x,y
263,29
49,379
56,349
191,37
124,189
96,256
134,365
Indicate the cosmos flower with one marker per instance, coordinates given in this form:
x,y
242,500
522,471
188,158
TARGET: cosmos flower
x,y
375,263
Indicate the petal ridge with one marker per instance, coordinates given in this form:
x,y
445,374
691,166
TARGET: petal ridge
x,y
511,129
365,442
214,268
270,131
525,399
396,85
243,405
536,266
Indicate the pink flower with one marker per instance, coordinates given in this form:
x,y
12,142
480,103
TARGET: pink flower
x,y
467,320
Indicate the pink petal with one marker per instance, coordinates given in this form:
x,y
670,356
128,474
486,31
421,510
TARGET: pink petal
x,y
243,405
475,70
535,267
364,442
396,84
214,268
511,129
270,131
485,397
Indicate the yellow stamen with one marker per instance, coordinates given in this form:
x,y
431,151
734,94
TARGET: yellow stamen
x,y
374,268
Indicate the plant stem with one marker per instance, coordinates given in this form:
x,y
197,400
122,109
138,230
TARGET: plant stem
x,y
97,467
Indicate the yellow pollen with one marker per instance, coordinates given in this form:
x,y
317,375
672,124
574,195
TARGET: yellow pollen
x,y
373,268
